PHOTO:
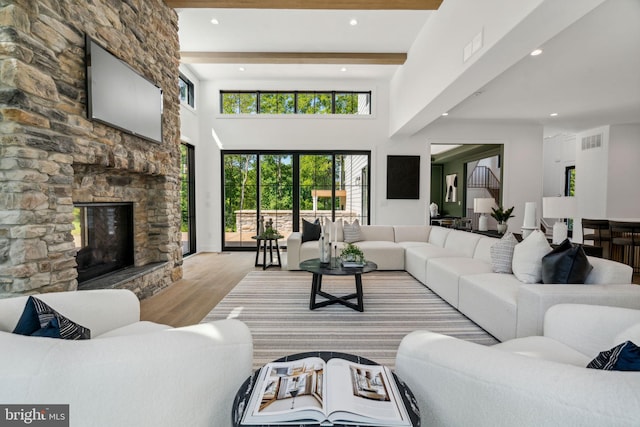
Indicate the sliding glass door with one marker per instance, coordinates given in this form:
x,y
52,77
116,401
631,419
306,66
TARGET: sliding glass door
x,y
287,187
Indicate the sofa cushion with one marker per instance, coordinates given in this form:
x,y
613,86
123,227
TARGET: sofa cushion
x,y
609,272
544,348
502,254
462,242
415,259
566,263
527,257
39,319
387,255
411,233
630,334
443,274
438,236
310,230
352,232
623,357
483,248
137,328
490,300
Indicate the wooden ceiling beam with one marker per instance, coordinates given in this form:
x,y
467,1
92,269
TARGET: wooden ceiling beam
x,y
308,4
357,58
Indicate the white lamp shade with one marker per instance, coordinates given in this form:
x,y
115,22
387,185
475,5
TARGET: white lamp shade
x,y
559,207
483,205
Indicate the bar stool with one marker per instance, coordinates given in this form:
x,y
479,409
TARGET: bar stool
x,y
625,239
600,234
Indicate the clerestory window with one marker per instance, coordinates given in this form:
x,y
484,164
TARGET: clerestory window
x,y
295,102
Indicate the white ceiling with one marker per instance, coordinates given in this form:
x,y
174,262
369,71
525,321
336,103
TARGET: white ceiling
x,y
267,30
589,74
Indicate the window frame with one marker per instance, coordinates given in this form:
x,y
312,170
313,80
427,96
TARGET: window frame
x,y
333,94
191,98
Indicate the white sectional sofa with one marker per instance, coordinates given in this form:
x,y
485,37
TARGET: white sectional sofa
x,y
457,266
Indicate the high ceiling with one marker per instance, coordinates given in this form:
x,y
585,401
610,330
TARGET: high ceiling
x,y
589,74
298,32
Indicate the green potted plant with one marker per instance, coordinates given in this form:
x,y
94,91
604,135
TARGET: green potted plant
x,y
353,254
502,216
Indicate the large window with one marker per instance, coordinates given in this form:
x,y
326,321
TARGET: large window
x,y
295,102
287,187
187,92
187,199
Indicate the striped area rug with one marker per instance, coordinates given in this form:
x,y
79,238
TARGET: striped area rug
x,y
275,306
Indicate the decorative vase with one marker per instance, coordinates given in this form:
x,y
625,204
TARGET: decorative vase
x,y
502,227
261,226
325,249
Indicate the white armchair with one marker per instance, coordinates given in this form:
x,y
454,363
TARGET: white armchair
x,y
131,372
532,381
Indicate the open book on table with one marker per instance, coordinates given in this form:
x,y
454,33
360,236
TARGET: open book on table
x,y
313,391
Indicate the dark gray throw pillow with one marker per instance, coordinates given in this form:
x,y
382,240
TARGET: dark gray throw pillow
x,y
310,230
567,263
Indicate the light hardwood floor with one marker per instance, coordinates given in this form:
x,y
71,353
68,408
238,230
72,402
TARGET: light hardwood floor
x,y
207,278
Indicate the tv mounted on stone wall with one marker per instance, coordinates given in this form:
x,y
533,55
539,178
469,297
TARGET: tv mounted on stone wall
x,y
120,97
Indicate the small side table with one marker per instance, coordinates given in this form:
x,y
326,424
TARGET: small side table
x,y
264,243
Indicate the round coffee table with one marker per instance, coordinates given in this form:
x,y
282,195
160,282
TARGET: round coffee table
x,y
335,268
243,395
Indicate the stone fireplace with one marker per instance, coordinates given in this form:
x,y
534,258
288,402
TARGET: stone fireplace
x,y
54,160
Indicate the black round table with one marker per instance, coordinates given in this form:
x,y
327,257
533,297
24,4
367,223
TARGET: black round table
x,y
243,395
335,268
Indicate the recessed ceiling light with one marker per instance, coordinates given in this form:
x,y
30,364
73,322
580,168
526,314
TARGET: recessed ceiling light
x,y
214,21
536,52
353,22
241,69
553,114
343,69
445,114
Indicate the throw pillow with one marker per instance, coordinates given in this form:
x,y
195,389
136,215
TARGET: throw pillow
x,y
502,254
352,232
336,233
623,357
566,263
527,257
39,319
310,230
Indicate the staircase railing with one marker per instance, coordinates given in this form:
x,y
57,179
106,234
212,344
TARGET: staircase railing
x,y
483,177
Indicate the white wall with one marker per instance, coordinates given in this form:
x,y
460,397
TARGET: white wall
x,y
278,132
623,179
522,163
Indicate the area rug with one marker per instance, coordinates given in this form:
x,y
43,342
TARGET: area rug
x,y
275,306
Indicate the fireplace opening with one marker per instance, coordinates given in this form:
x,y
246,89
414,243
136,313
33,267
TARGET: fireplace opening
x,y
103,234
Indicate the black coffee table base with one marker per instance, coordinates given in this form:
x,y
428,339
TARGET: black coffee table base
x,y
316,290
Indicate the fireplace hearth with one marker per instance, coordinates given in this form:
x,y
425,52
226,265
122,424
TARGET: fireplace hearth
x,y
103,235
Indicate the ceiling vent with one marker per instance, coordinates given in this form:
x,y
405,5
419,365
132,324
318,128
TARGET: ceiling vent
x,y
592,141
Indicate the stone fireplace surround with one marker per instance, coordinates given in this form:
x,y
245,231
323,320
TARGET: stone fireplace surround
x,y
51,156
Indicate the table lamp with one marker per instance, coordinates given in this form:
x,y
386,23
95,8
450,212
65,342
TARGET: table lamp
x,y
559,208
483,206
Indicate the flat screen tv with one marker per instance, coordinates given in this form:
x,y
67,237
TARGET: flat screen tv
x,y
120,97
